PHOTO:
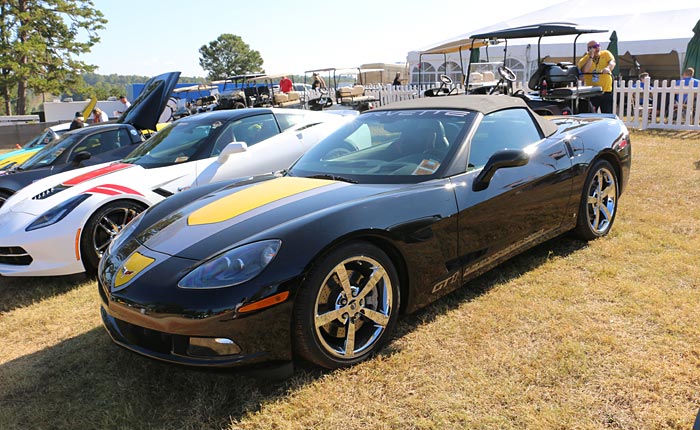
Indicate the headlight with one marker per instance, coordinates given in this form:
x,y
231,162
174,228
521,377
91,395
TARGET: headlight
x,y
57,213
233,267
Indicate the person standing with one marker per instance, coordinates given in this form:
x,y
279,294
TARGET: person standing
x,y
125,104
397,80
319,83
286,84
597,66
98,115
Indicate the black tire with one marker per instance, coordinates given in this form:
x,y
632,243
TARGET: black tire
x,y
238,105
4,195
101,228
326,310
598,205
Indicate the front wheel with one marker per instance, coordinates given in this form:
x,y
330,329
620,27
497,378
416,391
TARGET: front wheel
x,y
347,308
4,195
101,228
598,205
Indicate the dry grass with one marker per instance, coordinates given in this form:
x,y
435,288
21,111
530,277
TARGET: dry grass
x,y
603,335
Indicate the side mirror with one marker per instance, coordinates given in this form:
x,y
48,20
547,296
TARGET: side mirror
x,y
500,160
230,149
80,157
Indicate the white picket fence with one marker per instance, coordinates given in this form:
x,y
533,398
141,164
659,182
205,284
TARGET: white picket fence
x,y
639,105
665,105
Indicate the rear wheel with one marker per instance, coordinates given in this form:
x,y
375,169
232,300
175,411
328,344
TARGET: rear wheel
x,y
598,205
101,228
347,308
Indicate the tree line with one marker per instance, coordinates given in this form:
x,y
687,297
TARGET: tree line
x,y
39,51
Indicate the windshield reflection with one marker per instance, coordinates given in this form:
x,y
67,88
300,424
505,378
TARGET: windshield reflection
x,y
388,146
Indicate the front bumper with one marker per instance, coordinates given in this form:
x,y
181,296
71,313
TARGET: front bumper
x,y
199,337
50,251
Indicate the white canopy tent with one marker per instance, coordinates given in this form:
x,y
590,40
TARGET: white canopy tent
x,y
652,36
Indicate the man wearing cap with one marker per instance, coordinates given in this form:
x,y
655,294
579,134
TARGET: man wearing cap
x,y
78,121
597,66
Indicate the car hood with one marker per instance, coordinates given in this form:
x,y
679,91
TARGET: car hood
x,y
107,180
145,111
240,214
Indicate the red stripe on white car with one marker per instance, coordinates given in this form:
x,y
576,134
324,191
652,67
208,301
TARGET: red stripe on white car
x,y
112,190
96,173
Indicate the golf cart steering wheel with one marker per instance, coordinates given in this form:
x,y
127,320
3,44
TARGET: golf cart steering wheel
x,y
506,73
447,80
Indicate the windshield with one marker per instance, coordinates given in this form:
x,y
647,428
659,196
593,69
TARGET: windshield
x,y
187,139
49,153
44,138
388,146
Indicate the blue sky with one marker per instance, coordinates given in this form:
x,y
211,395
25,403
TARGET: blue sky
x,y
150,37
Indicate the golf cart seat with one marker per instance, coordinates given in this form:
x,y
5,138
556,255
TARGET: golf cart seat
x,y
353,94
287,99
576,92
559,75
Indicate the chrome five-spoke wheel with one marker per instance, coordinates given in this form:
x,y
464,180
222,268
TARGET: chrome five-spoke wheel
x,y
599,202
350,305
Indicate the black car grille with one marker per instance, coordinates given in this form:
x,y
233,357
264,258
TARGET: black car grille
x,y
15,256
153,340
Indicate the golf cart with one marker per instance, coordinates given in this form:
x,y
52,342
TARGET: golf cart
x,y
348,89
239,92
273,96
556,89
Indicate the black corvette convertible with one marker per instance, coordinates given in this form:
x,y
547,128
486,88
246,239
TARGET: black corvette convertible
x,y
395,209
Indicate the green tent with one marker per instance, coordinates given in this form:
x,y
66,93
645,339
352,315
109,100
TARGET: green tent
x,y
612,47
692,52
474,56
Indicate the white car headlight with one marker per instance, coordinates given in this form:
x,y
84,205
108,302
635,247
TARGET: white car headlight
x,y
233,267
57,213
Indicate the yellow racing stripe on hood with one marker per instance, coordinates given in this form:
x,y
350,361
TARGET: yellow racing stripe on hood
x,y
253,197
132,267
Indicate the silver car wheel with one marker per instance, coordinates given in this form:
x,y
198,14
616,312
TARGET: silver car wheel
x,y
601,201
109,225
353,307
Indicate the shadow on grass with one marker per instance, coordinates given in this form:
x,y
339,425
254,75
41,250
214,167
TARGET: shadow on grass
x,y
19,292
88,382
513,268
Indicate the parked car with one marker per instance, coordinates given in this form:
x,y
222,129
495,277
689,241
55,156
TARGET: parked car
x,y
393,210
62,224
14,158
97,143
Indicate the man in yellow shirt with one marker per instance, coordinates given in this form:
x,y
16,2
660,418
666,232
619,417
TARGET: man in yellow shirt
x,y
597,66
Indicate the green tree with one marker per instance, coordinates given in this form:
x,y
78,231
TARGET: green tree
x,y
39,42
228,55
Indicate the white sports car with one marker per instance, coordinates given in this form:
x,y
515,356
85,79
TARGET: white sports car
x,y
62,224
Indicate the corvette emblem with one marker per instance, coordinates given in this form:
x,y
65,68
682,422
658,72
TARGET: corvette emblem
x,y
133,265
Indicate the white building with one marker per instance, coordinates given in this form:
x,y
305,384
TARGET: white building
x,y
652,36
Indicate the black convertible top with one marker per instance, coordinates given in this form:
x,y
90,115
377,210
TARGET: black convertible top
x,y
479,103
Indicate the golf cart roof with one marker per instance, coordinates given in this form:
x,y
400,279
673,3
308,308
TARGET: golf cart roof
x,y
238,77
274,77
327,69
200,87
536,30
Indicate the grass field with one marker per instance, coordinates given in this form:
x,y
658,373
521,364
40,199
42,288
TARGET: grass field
x,y
570,335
